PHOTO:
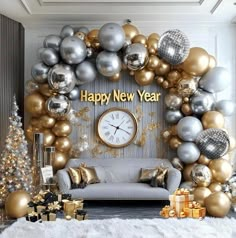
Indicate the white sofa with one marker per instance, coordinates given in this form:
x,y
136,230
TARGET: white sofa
x,y
119,180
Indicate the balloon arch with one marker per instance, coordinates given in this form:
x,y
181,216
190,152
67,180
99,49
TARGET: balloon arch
x,y
190,75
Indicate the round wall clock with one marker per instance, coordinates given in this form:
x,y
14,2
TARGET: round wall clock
x,y
117,127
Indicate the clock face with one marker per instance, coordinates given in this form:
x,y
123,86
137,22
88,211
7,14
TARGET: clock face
x,y
117,127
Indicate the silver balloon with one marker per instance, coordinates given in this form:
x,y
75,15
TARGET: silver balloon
x,y
67,31
49,56
213,143
108,63
226,107
188,128
40,72
85,72
31,86
173,101
188,152
111,37
83,29
177,163
73,94
215,80
126,43
73,50
40,51
202,102
173,116
173,46
58,106
135,56
61,78
201,175
187,185
52,41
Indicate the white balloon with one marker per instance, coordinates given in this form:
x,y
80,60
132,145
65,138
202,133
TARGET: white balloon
x,y
226,107
188,152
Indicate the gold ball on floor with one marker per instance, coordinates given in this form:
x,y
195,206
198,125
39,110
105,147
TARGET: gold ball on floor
x,y
218,204
16,204
200,194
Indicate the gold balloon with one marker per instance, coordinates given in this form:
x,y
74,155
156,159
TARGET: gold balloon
x,y
187,172
153,62
16,204
92,38
173,77
47,121
213,119
212,62
144,77
115,77
165,84
48,137
29,132
197,62
218,204
159,80
130,31
152,45
200,194
232,143
215,187
187,87
35,122
173,130
59,161
175,142
45,90
35,104
62,128
203,160
162,69
186,99
154,36
166,134
221,170
140,39
63,144
186,109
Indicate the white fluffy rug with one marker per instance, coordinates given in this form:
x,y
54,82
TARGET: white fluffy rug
x,y
117,228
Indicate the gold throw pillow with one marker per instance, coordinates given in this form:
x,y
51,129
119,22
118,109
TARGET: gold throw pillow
x,y
147,174
75,175
159,180
89,175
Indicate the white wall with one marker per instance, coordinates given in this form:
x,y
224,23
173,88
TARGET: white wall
x,y
218,39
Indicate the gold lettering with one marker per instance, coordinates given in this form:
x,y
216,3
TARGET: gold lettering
x,y
90,97
141,94
130,97
83,95
116,94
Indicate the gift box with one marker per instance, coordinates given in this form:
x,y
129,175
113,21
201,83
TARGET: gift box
x,y
61,197
32,207
70,206
199,212
165,211
40,208
81,215
54,207
32,217
48,216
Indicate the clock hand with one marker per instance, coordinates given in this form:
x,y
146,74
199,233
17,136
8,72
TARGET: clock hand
x,y
125,131
118,127
112,125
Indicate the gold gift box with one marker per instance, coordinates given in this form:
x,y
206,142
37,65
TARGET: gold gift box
x,y
30,210
199,212
81,217
40,208
49,217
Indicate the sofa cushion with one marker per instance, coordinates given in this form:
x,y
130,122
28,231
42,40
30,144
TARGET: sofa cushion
x,y
75,175
133,191
146,174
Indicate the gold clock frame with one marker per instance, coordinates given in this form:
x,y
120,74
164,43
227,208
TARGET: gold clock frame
x,y
113,109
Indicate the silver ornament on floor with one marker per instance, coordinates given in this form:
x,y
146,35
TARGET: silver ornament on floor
x,y
58,106
173,46
61,78
226,107
213,143
201,175
135,56
188,128
40,72
67,31
177,163
108,63
73,50
173,101
74,94
215,80
85,72
173,116
202,102
52,41
188,152
49,56
111,37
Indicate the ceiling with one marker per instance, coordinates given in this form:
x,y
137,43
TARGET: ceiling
x,y
58,11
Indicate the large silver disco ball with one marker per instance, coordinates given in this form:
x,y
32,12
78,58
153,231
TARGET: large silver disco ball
x,y
58,106
213,143
173,46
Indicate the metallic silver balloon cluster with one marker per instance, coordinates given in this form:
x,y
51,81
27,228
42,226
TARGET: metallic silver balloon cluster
x,y
213,143
173,47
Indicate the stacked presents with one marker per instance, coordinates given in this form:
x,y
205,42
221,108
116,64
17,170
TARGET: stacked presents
x,y
182,205
48,206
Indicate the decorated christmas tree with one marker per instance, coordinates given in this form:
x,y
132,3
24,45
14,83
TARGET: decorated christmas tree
x,y
15,169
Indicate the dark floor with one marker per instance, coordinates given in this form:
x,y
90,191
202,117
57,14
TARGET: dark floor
x,y
113,209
